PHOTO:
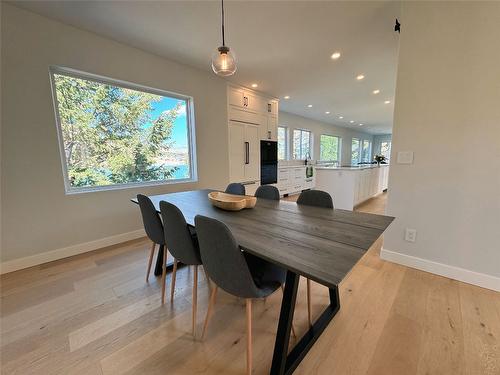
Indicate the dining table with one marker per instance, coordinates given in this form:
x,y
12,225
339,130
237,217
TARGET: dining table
x,y
321,244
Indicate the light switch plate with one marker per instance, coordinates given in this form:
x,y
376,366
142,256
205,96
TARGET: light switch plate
x,y
405,157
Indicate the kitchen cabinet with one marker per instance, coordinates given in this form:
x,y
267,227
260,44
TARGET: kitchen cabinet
x,y
352,186
292,180
248,100
269,128
244,152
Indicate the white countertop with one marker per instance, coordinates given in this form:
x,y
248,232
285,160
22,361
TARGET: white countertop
x,y
356,168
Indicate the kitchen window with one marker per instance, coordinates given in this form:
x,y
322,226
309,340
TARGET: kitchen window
x,y
366,152
115,134
385,149
329,148
301,144
355,154
282,142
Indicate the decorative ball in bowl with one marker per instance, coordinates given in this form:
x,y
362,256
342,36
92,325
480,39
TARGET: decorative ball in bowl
x,y
231,202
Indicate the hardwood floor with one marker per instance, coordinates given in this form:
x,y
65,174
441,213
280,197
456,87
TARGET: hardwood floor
x,y
95,314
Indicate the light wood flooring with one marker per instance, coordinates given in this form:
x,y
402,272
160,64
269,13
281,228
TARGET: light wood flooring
x,y
95,314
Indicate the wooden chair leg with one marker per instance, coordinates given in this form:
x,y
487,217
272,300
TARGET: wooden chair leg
x,y
293,328
309,302
208,280
249,336
211,304
172,282
164,275
150,261
195,297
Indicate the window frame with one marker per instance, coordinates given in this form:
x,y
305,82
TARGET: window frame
x,y
339,149
370,148
287,142
190,118
310,143
389,142
359,149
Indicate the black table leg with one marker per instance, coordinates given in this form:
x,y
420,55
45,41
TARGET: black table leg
x,y
284,363
159,261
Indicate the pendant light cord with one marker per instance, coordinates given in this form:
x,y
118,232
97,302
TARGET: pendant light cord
x,y
223,41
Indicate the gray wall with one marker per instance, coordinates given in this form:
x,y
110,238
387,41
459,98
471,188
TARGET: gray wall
x,y
37,216
447,112
317,128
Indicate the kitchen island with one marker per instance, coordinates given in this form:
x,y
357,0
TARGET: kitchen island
x,y
352,185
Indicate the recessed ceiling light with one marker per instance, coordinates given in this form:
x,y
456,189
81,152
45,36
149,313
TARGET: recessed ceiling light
x,y
387,102
287,97
360,124
341,117
376,91
327,112
335,55
309,106
360,77
352,121
254,85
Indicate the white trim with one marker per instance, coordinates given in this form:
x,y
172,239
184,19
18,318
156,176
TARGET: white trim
x,y
452,272
49,256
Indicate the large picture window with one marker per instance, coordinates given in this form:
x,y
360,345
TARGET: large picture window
x,y
385,149
355,151
301,144
366,152
329,148
282,142
114,134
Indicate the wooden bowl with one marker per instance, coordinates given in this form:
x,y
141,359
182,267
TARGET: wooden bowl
x,y
231,202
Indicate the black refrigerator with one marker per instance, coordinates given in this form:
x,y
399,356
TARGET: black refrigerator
x,y
268,162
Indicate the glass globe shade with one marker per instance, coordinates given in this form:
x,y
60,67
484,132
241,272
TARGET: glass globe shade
x,y
223,62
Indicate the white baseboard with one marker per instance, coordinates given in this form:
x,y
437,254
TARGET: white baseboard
x,y
452,272
49,256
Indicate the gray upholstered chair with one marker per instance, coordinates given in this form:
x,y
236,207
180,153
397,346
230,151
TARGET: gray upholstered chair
x,y
183,245
153,227
316,198
268,192
227,267
235,188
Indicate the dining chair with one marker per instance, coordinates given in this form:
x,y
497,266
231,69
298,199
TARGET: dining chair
x,y
182,243
153,227
268,192
228,268
316,198
235,188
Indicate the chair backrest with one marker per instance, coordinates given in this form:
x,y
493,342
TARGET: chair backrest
x,y
235,188
151,220
315,198
222,258
178,238
268,192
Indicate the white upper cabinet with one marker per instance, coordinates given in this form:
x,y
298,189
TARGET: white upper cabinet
x,y
250,107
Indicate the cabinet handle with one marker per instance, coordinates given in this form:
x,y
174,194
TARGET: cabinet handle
x,y
245,101
247,153
268,134
269,107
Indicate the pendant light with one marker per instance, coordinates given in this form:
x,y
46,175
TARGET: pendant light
x,y
223,60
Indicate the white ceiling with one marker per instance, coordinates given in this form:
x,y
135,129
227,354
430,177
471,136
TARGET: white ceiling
x,y
284,46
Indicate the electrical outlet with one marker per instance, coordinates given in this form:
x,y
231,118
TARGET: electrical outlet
x,y
410,235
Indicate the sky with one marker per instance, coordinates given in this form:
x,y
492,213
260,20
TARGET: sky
x,y
179,130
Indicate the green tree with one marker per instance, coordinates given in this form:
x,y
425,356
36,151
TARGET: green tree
x,y
109,134
329,148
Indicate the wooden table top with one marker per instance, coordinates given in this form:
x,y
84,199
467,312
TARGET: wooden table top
x,y
319,243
